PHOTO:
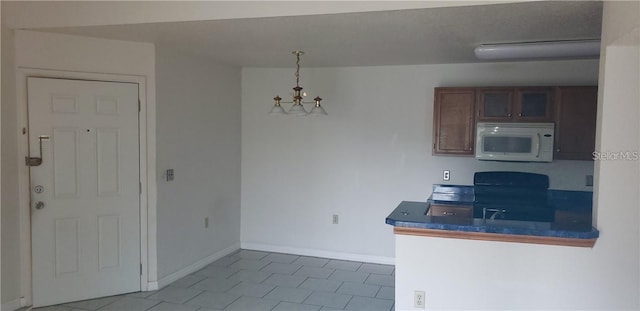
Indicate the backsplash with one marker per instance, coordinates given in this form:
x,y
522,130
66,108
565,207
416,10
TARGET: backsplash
x,y
563,175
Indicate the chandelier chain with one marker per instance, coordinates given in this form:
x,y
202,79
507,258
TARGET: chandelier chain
x,y
297,69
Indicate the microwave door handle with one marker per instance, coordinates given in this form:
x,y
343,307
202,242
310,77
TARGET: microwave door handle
x,y
538,146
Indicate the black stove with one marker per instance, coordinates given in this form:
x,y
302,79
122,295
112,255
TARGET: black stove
x,y
512,196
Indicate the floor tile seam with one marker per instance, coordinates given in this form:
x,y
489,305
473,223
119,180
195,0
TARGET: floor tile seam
x,y
328,260
350,297
281,264
332,273
367,279
305,279
324,291
347,270
313,266
105,306
229,264
192,298
294,272
180,303
345,306
378,292
265,295
362,295
232,302
352,281
305,298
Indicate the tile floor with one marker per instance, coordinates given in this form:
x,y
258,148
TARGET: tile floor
x,y
251,280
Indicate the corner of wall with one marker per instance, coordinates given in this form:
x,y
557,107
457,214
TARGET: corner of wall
x,y
198,115
10,282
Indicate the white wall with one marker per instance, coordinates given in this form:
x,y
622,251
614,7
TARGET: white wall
x,y
75,56
462,274
372,151
1,94
198,117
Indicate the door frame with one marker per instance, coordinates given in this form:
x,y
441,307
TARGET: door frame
x,y
147,173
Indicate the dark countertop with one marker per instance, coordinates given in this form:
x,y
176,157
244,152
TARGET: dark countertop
x,y
414,215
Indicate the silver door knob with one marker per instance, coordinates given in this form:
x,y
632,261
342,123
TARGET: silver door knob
x,y
39,205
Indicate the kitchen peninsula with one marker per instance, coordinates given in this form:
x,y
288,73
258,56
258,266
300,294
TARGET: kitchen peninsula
x,y
455,212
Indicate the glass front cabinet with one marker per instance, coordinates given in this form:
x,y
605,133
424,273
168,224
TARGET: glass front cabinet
x,y
515,104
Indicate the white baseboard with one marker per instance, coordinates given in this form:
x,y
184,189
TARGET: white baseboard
x,y
193,267
13,304
318,253
152,286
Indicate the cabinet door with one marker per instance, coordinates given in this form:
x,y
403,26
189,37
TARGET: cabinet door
x,y
453,122
576,108
533,105
450,210
572,218
495,104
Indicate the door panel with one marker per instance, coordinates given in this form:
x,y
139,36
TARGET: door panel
x,y
86,236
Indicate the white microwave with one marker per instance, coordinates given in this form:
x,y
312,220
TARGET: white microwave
x,y
522,142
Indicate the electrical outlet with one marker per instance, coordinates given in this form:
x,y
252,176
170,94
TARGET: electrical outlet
x,y
418,299
206,222
335,219
446,175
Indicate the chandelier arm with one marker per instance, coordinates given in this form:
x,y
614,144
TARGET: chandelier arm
x,y
283,102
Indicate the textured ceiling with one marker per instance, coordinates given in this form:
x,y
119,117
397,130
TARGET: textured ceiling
x,y
404,37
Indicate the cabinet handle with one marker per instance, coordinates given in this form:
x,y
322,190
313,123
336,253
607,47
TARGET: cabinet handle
x,y
509,115
448,213
520,115
558,150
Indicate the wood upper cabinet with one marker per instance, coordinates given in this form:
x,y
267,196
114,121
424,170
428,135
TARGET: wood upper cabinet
x,y
454,123
524,104
572,108
495,104
534,104
576,109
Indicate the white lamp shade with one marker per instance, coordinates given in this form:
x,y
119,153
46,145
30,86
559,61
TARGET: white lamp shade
x,y
317,111
297,110
532,50
277,110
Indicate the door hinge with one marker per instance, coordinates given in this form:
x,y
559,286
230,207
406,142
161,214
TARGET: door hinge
x,y
140,187
139,106
140,269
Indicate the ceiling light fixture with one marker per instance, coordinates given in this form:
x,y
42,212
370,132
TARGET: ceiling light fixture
x,y
297,108
544,49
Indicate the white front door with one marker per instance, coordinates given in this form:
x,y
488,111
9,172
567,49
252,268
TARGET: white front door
x,y
85,213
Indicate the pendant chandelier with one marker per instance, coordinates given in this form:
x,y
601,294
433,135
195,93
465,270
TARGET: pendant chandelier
x,y
297,108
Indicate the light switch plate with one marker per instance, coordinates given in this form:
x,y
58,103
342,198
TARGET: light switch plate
x,y
169,174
